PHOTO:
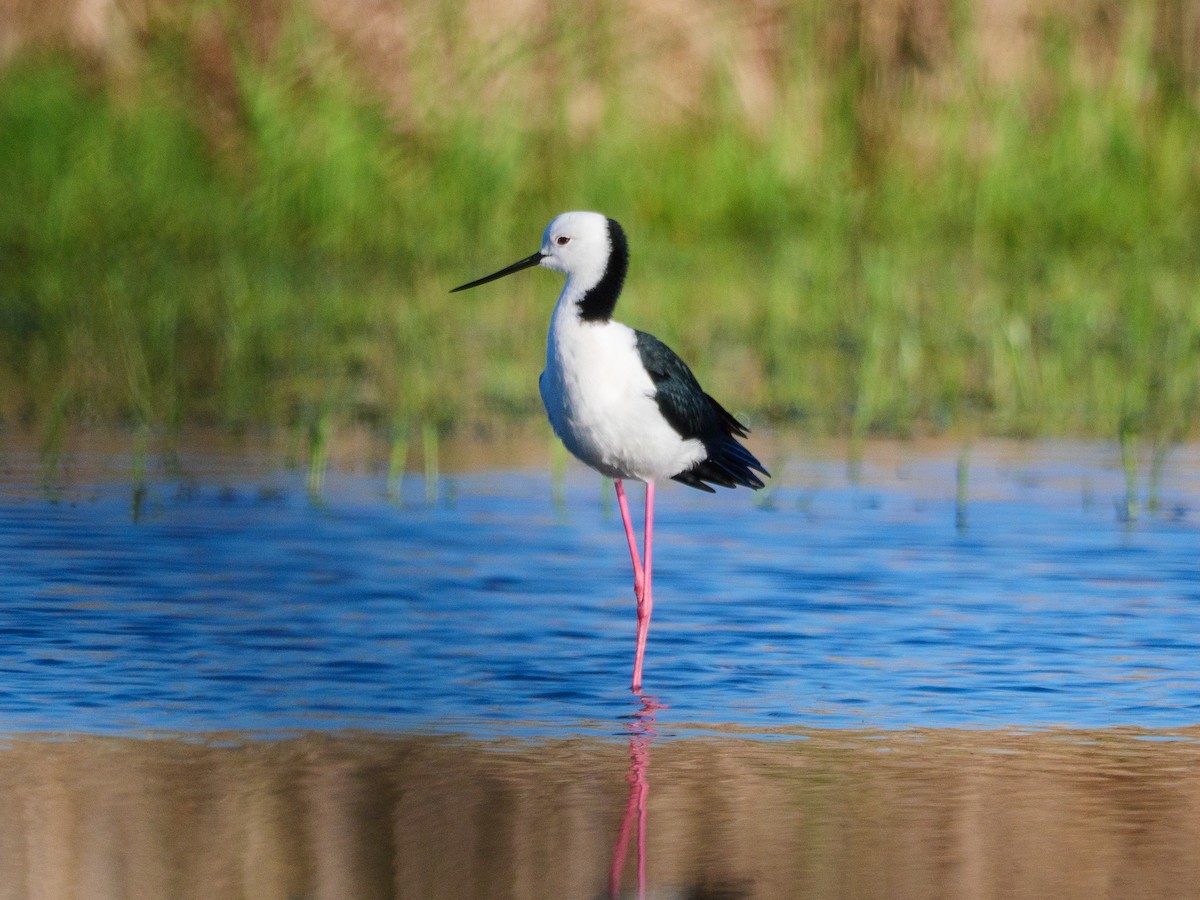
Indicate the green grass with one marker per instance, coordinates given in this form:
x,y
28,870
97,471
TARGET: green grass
x,y
876,256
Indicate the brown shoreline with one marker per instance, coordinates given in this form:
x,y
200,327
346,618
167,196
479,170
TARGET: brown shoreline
x,y
931,813
85,456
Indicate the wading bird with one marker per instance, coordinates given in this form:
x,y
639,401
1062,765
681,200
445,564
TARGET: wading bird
x,y
621,400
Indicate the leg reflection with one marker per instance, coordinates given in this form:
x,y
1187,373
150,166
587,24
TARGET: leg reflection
x,y
641,733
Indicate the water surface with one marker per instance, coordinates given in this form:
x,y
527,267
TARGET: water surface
x,y
833,813
214,684
236,601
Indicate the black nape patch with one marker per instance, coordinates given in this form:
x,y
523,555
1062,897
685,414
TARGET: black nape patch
x,y
598,304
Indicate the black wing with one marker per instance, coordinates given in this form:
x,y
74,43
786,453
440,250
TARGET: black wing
x,y
694,414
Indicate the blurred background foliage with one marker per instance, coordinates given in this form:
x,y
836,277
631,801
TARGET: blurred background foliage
x,y
879,216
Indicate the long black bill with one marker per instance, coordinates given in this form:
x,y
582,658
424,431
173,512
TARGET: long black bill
x,y
525,263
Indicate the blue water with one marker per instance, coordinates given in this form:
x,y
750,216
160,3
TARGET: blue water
x,y
236,602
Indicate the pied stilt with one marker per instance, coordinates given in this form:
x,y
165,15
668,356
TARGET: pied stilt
x,y
620,399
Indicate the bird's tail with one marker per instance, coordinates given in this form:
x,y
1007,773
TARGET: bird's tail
x,y
728,464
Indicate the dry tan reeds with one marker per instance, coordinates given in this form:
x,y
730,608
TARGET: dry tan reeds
x,y
661,61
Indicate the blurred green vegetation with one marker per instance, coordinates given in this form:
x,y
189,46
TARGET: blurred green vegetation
x,y
890,243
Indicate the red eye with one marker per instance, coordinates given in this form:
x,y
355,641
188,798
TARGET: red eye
x,y
563,239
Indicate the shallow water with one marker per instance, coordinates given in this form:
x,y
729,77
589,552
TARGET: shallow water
x,y
217,685
237,602
832,813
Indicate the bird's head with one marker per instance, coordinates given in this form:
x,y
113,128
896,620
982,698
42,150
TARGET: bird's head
x,y
578,244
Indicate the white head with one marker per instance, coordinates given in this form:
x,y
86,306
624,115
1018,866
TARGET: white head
x,y
578,245
587,247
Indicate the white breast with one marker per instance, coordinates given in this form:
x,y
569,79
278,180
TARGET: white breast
x,y
600,401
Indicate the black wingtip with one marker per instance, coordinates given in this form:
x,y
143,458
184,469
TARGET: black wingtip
x,y
730,465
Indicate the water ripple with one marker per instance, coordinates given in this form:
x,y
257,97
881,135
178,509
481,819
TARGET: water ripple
x,y
235,606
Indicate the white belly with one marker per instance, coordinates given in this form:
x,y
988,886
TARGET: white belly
x,y
600,402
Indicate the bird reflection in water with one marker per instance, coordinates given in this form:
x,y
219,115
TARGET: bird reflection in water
x,y
641,734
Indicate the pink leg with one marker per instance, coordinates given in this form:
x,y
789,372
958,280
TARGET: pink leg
x,y
645,596
633,553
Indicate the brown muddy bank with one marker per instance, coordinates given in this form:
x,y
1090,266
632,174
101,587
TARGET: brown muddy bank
x,y
898,814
